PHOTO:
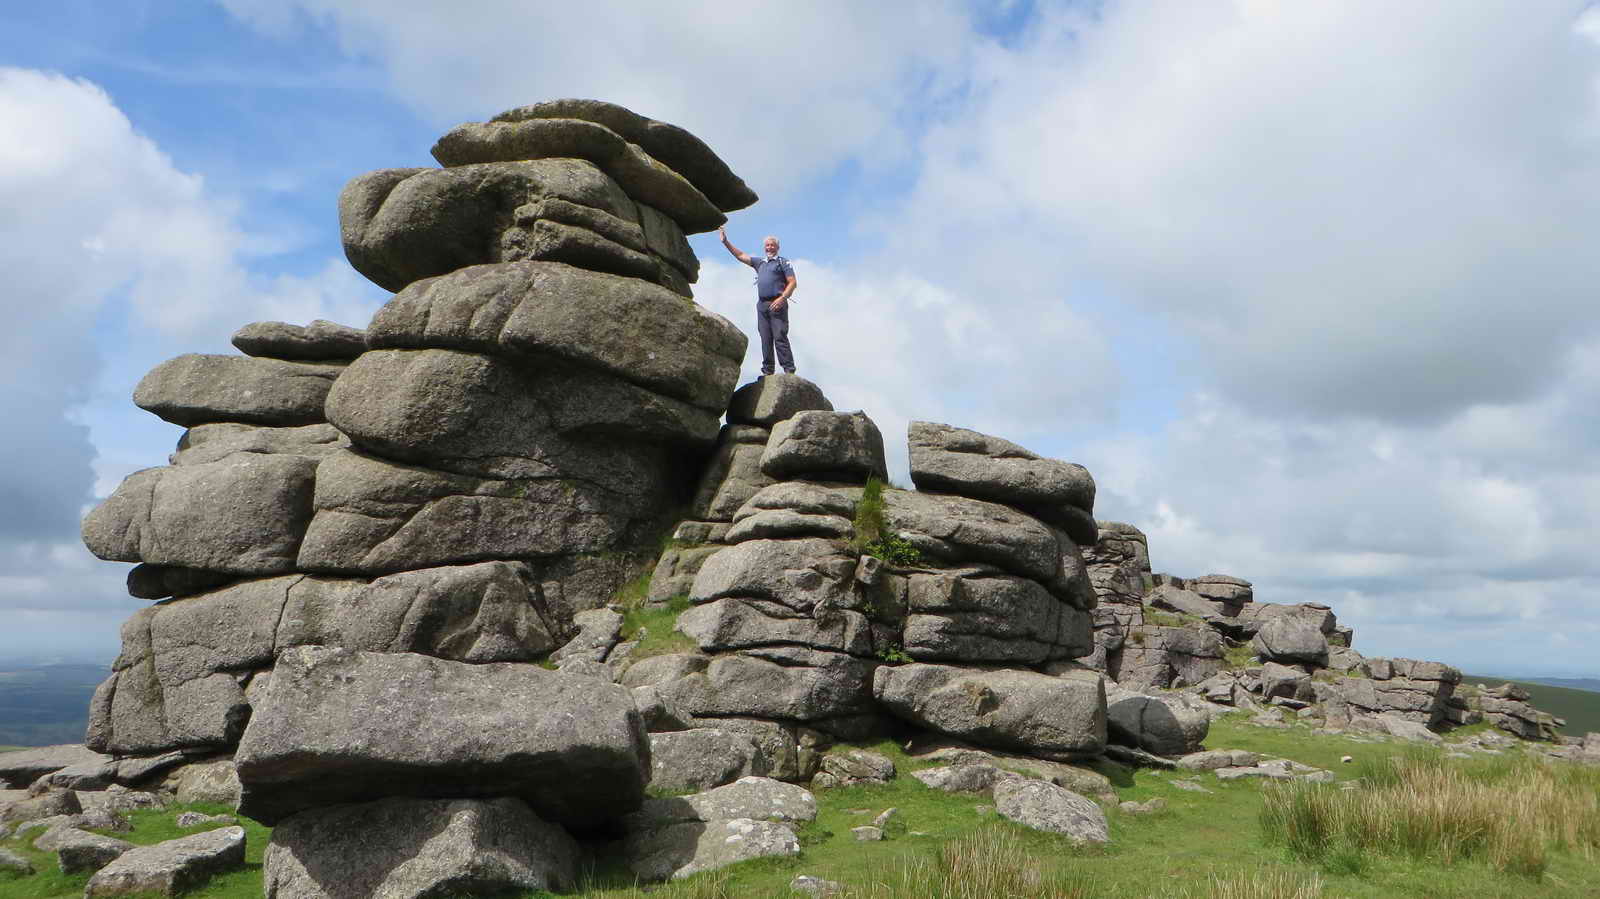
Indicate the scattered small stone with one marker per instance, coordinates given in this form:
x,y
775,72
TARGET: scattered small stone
x,y
882,821
171,867
16,864
1347,759
815,886
1142,808
1190,785
867,833
984,809
195,819
1045,806
80,852
859,811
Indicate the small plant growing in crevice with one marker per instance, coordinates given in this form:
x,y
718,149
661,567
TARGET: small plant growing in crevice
x,y
871,532
894,654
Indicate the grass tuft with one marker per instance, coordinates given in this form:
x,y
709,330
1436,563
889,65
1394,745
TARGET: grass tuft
x,y
990,863
1507,812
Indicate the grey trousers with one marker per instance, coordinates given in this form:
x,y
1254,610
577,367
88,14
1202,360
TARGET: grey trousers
x,y
774,329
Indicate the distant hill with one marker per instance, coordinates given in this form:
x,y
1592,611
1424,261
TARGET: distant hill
x,y
1574,683
41,705
1580,707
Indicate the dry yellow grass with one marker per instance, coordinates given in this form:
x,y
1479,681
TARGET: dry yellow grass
x,y
1509,814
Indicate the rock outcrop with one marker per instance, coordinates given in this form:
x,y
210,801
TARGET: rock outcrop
x,y
370,544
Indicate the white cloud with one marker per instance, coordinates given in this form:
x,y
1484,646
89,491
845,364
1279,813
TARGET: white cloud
x,y
114,259
1355,208
782,90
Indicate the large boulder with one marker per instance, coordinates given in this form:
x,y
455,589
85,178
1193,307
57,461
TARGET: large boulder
x,y
245,514
178,680
1291,638
731,623
1045,806
490,417
544,310
487,612
733,473
829,691
678,149
1164,725
701,758
1162,656
413,848
170,868
843,446
340,726
946,459
196,389
317,341
372,516
400,226
213,442
176,683
750,818
773,398
1052,717
956,529
1119,563
975,615
638,173
797,574
20,768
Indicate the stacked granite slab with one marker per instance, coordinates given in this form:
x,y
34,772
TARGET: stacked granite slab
x,y
1507,707
373,535
798,627
1409,689
731,476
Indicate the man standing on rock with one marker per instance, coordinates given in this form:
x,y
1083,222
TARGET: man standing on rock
x,y
774,285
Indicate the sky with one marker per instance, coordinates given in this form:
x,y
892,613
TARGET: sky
x,y
1310,288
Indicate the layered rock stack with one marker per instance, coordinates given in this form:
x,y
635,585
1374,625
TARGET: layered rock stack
x,y
808,629
371,537
371,545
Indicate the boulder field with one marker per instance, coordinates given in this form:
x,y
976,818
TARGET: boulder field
x,y
385,561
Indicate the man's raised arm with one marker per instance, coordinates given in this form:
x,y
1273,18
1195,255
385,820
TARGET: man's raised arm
x,y
737,254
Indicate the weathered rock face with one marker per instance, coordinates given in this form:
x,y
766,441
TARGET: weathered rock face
x,y
956,460
415,848
980,616
1161,656
319,341
1507,708
681,151
1291,638
1119,563
173,867
196,389
1052,717
1404,688
773,398
541,310
1159,724
340,726
1045,806
838,446
181,678
400,226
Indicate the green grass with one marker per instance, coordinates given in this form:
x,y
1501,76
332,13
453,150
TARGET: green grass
x,y
150,826
1510,814
1580,708
1213,844
657,623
